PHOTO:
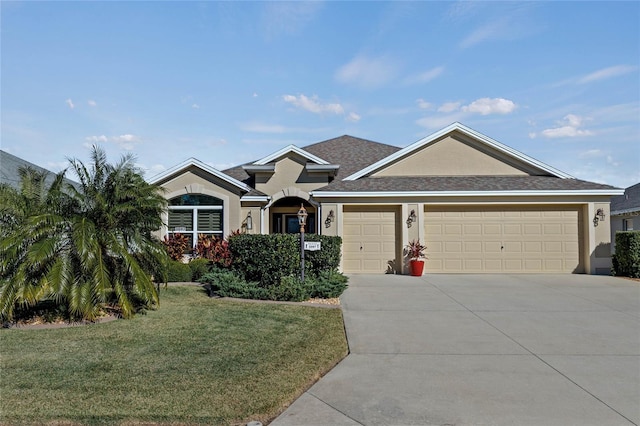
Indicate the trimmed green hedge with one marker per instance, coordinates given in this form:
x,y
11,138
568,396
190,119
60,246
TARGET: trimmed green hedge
x,y
199,267
268,267
626,260
178,271
268,258
226,283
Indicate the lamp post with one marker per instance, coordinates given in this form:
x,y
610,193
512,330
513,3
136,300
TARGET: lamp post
x,y
302,220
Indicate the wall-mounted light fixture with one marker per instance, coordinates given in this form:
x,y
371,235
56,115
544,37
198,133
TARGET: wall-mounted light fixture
x,y
330,218
412,218
249,222
598,217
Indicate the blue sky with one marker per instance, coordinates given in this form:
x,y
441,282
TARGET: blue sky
x,y
231,82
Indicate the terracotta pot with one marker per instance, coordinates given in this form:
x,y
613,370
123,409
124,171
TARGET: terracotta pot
x,y
416,267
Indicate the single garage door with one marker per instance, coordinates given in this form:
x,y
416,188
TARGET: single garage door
x,y
369,239
503,239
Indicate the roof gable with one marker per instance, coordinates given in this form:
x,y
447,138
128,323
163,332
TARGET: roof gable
x,y
192,162
287,150
498,159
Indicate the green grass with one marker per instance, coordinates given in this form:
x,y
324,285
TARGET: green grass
x,y
195,361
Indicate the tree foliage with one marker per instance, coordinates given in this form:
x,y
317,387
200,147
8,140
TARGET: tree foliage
x,y
82,246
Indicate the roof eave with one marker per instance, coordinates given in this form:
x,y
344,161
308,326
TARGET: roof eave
x,y
197,163
414,194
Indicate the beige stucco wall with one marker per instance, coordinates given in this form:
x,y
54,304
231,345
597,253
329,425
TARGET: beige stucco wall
x,y
594,241
332,228
454,156
290,171
196,182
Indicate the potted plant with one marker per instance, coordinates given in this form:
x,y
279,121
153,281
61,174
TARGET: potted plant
x,y
415,252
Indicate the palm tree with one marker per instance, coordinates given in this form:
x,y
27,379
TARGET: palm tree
x,y
89,245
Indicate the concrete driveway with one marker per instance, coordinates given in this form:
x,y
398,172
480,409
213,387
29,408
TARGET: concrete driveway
x,y
483,350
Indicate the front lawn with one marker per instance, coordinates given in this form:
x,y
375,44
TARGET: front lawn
x,y
193,361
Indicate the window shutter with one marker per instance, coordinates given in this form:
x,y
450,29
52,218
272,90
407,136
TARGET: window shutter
x,y
180,219
209,220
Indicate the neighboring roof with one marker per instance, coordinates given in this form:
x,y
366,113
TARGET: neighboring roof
x,y
10,166
192,162
464,185
629,202
457,127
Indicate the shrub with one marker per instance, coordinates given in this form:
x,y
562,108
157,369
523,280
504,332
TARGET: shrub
x,y
198,268
269,258
325,259
176,245
214,249
626,260
178,271
265,258
291,289
328,284
229,284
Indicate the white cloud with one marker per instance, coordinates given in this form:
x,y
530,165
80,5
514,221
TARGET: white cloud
x,y
486,32
568,127
195,106
591,153
424,77
126,141
353,117
312,104
69,102
607,73
92,103
450,112
255,95
486,106
422,104
367,72
449,107
96,139
289,17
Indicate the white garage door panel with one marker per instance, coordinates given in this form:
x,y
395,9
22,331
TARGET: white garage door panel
x,y
369,239
502,239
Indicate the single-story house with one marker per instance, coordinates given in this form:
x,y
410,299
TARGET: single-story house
x,y
478,205
625,211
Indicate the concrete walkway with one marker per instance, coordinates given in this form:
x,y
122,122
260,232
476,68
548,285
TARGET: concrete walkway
x,y
483,350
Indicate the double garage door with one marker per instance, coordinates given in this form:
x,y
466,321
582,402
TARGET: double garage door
x,y
468,239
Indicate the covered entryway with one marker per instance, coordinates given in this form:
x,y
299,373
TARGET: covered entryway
x,y
525,239
370,243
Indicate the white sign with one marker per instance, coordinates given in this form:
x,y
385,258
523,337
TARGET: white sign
x,y
312,245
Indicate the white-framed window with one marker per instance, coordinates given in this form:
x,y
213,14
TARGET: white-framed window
x,y
627,224
193,214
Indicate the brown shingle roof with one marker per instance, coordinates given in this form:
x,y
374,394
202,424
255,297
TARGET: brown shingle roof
x,y
351,153
462,183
